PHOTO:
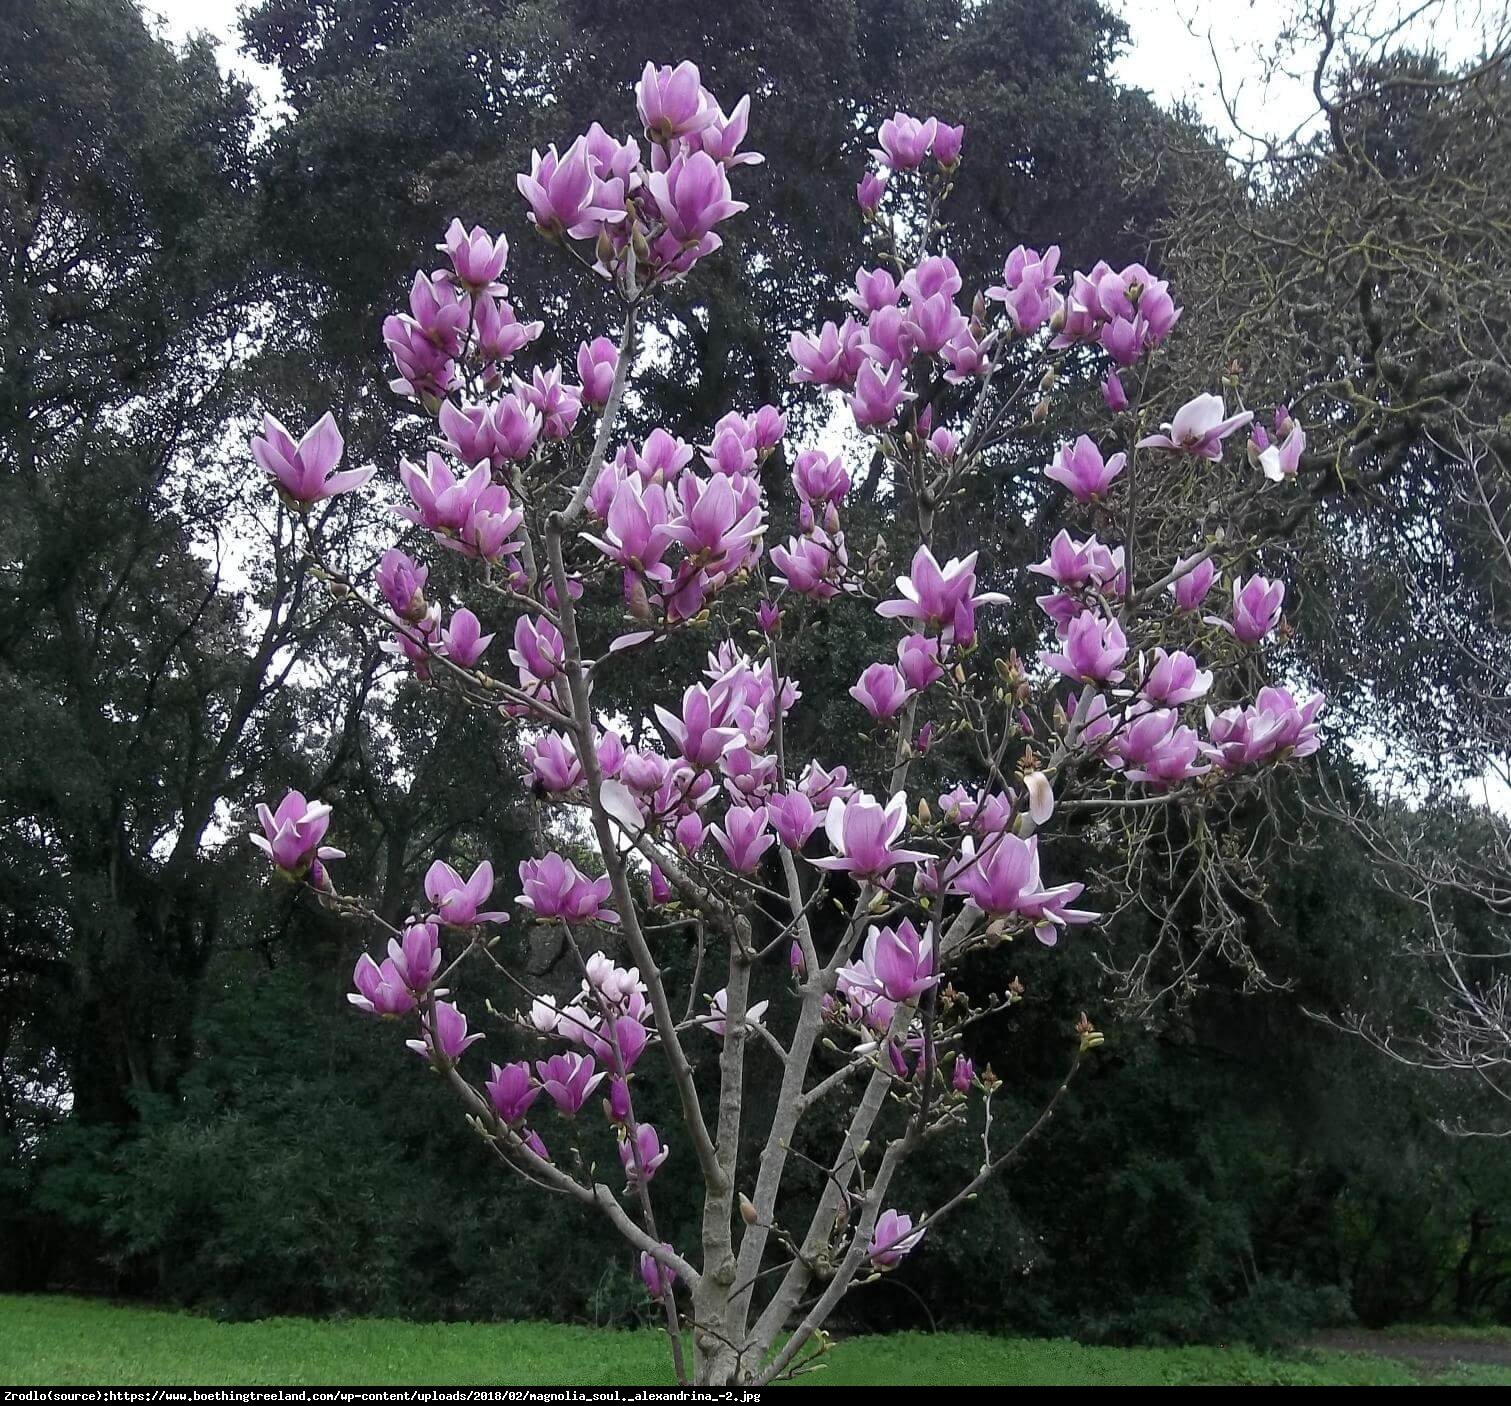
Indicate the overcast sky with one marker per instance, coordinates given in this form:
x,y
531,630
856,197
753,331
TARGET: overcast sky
x,y
1171,53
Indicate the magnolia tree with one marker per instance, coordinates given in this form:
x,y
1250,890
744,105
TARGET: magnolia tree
x,y
706,830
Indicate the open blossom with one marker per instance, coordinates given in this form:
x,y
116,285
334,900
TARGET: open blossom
x,y
1003,880
943,596
672,102
463,641
477,258
1028,287
380,989
291,835
1071,563
553,763
568,1079
1094,648
793,817
642,1155
564,195
893,1238
1081,468
717,1019
744,837
416,955
555,888
882,691
1198,428
897,963
457,901
904,141
879,395
1191,587
1274,724
1256,609
811,565
305,472
863,834
511,1091
444,1032
692,195
539,652
1172,679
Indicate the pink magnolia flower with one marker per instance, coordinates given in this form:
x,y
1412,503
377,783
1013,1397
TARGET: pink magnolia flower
x,y
657,1277
893,1238
744,837
831,358
1198,428
511,1091
1256,609
417,957
724,135
863,835
904,141
672,101
1190,588
793,817
564,195
305,472
1113,394
463,641
1172,679
458,901
1274,725
716,1021
568,1079
539,651
596,363
445,1033
878,395
477,259
918,661
947,144
555,888
291,835
811,565
1003,880
1093,650
692,195
943,596
699,734
402,583
380,989
882,691
963,1075
1279,460
643,1155
897,963
1081,468
1172,761
1071,563
553,762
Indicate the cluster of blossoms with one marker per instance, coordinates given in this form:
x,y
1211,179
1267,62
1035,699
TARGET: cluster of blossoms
x,y
699,816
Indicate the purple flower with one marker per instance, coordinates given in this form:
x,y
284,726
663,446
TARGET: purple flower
x,y
744,838
568,1080
942,596
1172,679
1273,726
1190,589
868,193
1093,650
417,957
646,1149
918,661
947,143
1003,880
445,1032
1198,428
793,817
458,902
897,962
564,195
692,195
863,835
882,691
893,1238
1172,761
672,101
878,395
962,1075
380,989
1279,461
512,1091
1081,468
477,258
596,363
291,835
1114,394
555,888
657,1277
304,471
904,141
539,651
463,641
402,583
553,763
1256,609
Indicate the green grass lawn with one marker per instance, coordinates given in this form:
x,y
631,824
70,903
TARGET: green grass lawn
x,y
64,1341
